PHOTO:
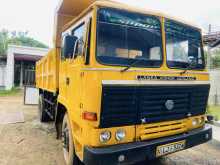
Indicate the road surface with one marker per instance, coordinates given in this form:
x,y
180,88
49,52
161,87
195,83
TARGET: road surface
x,y
33,143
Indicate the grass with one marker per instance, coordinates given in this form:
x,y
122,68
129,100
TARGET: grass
x,y
215,111
12,92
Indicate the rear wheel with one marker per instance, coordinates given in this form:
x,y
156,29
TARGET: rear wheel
x,y
68,146
43,116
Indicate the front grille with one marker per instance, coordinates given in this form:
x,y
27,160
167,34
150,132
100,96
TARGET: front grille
x,y
130,105
153,131
118,106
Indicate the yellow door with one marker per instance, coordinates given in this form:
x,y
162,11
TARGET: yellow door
x,y
63,79
73,88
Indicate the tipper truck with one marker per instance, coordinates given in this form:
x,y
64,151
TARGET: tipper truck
x,y
123,84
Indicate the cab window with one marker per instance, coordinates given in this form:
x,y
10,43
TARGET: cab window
x,y
79,33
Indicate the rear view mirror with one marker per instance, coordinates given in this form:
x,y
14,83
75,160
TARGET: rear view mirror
x,y
192,61
69,45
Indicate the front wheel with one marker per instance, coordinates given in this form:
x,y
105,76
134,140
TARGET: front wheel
x,y
68,146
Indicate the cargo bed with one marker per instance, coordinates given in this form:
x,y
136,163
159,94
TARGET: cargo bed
x,y
47,72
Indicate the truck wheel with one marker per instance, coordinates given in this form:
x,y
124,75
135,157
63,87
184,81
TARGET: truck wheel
x,y
68,146
43,116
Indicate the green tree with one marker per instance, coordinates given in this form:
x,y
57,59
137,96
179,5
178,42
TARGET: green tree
x,y
216,61
4,37
17,38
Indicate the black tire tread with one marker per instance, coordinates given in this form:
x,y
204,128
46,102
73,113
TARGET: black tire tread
x,y
74,160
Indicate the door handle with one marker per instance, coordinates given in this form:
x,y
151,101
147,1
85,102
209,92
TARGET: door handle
x,y
67,81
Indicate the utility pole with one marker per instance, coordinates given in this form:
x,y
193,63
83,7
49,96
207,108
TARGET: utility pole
x,y
209,51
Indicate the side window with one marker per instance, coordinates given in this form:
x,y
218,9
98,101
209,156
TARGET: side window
x,y
79,33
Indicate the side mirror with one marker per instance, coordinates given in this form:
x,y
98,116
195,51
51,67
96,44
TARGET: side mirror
x,y
69,45
192,61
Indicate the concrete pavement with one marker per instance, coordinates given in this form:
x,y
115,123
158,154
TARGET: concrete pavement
x,y
216,133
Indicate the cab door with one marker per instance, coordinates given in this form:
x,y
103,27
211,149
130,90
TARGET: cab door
x,y
73,72
67,51
63,72
74,90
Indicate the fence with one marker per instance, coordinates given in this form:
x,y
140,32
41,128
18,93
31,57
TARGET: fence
x,y
29,77
214,97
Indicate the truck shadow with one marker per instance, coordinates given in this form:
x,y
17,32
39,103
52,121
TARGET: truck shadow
x,y
159,161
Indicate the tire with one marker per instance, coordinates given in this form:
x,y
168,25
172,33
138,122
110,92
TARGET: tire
x,y
43,116
70,156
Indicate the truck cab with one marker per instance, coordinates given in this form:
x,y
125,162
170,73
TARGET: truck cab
x,y
123,84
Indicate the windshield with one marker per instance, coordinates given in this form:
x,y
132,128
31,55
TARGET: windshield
x,y
183,45
124,37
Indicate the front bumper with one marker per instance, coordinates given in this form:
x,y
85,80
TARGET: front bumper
x,y
140,151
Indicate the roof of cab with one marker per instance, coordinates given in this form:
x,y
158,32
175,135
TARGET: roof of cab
x,y
68,11
124,6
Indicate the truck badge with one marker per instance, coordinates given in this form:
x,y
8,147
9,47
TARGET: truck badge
x,y
144,120
169,104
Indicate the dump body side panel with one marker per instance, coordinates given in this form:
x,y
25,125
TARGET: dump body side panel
x,y
47,72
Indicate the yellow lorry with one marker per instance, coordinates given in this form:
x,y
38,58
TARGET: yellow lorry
x,y
123,84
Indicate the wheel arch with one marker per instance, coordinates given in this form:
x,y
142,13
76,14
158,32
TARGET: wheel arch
x,y
60,113
41,91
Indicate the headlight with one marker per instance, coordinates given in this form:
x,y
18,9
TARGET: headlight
x,y
120,135
195,122
105,136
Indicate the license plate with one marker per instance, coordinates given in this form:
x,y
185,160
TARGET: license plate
x,y
170,148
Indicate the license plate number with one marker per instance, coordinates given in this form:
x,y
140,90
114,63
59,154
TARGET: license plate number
x,y
170,148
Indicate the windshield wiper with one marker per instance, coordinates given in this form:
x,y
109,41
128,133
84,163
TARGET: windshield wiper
x,y
191,65
187,68
132,64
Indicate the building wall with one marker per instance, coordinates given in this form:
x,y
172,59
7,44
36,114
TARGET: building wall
x,y
2,76
10,70
11,53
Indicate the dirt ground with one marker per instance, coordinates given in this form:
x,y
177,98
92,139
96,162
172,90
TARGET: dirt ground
x,y
28,143
33,143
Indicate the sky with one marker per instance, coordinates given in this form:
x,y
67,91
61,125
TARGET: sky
x,y
37,16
